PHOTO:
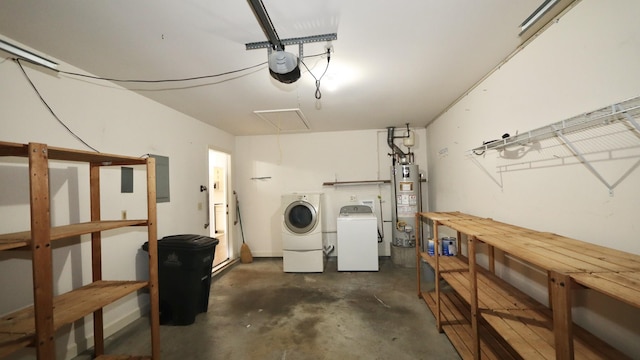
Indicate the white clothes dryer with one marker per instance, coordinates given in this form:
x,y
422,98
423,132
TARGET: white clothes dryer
x,y
302,245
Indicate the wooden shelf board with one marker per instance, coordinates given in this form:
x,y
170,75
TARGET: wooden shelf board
x,y
480,226
447,263
442,216
457,327
13,149
623,286
68,308
54,153
10,343
531,332
493,292
23,238
611,259
513,326
525,325
538,249
93,157
9,244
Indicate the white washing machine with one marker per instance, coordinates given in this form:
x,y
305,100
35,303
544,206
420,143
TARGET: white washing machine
x,y
302,246
357,239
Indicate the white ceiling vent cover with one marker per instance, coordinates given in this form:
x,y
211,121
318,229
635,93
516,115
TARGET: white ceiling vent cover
x,y
284,119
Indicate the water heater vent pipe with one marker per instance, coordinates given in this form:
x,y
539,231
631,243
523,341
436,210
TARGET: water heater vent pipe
x,y
398,154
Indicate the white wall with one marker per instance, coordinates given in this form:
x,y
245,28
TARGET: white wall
x,y
586,61
113,120
302,163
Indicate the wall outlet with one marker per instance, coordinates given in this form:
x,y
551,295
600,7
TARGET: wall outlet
x,y
124,214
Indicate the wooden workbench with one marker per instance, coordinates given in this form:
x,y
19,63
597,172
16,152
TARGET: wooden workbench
x,y
528,328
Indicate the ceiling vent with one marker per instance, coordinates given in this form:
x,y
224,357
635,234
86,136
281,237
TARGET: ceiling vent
x,y
284,120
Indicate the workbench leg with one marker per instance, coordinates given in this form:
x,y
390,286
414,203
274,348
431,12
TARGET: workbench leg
x,y
436,253
418,250
550,290
492,258
473,279
562,321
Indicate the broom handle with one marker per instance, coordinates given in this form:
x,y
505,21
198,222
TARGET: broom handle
x,y
238,215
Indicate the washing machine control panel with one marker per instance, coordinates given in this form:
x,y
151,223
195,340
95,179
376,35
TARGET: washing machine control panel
x,y
355,209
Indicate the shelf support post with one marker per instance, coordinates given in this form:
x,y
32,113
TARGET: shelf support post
x,y
562,320
41,250
418,249
437,277
473,289
152,231
96,255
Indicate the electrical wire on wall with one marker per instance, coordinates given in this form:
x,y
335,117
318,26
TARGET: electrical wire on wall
x,y
193,78
163,80
35,89
186,79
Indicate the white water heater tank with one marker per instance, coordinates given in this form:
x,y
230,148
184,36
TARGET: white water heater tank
x,y
406,191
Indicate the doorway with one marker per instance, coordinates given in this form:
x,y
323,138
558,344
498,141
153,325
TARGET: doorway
x,y
219,165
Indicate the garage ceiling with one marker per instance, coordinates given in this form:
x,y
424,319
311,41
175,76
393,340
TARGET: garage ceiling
x,y
394,62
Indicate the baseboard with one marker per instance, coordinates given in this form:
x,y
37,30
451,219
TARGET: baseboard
x,y
266,254
110,329
223,268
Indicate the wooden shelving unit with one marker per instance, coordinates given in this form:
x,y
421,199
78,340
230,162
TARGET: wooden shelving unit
x,y
479,303
36,325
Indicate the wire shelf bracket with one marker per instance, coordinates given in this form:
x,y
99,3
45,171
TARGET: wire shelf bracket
x,y
627,111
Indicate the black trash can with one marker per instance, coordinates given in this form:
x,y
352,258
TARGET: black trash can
x,y
184,276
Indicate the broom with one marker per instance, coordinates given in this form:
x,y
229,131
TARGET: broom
x,y
245,252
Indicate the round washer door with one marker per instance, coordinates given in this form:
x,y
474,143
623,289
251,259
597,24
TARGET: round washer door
x,y
300,217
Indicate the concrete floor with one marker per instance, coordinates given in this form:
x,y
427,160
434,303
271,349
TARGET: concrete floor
x,y
258,312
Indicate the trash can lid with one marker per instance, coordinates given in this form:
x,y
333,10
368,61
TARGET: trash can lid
x,y
187,241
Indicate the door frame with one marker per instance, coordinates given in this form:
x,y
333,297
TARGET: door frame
x,y
218,158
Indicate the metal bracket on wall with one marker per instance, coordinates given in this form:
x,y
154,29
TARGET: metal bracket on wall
x,y
615,126
586,162
293,41
495,180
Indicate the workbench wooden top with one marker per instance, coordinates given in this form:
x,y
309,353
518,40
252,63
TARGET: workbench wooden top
x,y
606,270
